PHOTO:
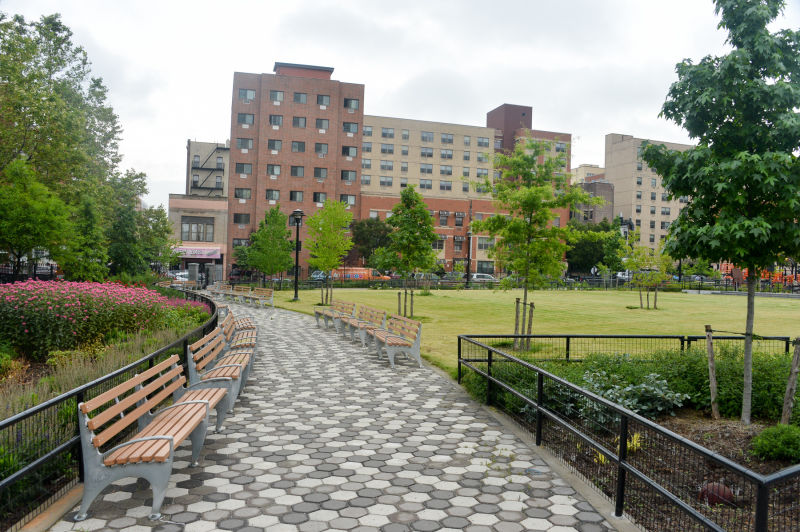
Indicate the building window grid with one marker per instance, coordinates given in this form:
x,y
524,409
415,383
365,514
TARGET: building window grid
x,y
445,185
386,181
425,184
446,154
387,148
447,138
300,97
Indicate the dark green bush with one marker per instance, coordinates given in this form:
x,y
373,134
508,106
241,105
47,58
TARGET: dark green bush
x,y
650,398
781,442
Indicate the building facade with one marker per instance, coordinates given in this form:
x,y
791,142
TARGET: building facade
x,y
295,142
587,172
593,214
207,166
639,194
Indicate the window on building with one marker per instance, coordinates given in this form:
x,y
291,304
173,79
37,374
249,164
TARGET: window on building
x,y
652,209
467,140
349,199
664,196
665,211
445,185
320,173
466,156
652,196
404,134
273,169
321,147
247,95
638,194
322,123
652,237
483,157
427,136
242,193
366,179
446,154
447,138
320,197
653,182
196,180
443,215
366,131
561,147
296,195
195,161
244,168
350,127
387,148
241,218
323,99
465,172
485,242
426,184
220,163
482,172
638,209
218,182
273,194
348,175
638,180
652,224
426,152
366,163
298,121
366,147
498,143
557,221
485,266
197,228
276,96
445,170
373,214
241,242
298,146
425,168
387,165
298,171
300,97
665,225
386,181
244,144
245,118
483,142
459,219
387,132
464,186
404,166
276,120
349,151
438,244
274,144
403,182
351,103
458,245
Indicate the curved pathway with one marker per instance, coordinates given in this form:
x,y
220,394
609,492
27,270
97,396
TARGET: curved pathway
x,y
326,437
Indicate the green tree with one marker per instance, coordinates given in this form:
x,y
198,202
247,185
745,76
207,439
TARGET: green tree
x,y
370,234
270,248
530,188
328,236
742,180
155,238
31,216
86,256
594,248
411,241
125,251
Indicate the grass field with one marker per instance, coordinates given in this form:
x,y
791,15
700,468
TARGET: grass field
x,y
447,313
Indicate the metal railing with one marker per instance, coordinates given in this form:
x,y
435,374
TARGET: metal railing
x,y
657,478
40,457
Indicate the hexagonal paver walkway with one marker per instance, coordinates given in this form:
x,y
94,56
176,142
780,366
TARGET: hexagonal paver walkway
x,y
326,437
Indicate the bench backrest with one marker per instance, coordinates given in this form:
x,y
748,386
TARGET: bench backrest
x,y
131,400
228,326
409,329
372,315
262,292
241,289
203,352
343,306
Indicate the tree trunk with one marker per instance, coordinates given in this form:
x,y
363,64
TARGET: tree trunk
x,y
641,303
791,385
648,298
516,324
712,372
747,391
530,326
524,306
322,293
655,299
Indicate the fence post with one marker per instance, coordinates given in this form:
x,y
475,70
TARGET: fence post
x,y
786,345
621,473
78,400
682,344
398,303
185,352
567,355
459,359
489,379
762,507
539,403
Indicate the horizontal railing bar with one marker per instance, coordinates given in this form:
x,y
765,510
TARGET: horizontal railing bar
x,y
36,464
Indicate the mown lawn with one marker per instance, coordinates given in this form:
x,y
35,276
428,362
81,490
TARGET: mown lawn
x,y
447,313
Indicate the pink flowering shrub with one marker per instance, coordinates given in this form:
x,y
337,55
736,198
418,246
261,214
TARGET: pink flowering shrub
x,y
39,316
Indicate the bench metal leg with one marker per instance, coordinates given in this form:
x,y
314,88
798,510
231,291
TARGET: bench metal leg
x,y
198,436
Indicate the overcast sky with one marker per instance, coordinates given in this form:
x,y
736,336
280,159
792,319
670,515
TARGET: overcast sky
x,y
587,67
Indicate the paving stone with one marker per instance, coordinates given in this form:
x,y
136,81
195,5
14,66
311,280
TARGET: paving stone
x,y
327,437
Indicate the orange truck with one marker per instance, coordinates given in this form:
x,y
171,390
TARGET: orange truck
x,y
358,274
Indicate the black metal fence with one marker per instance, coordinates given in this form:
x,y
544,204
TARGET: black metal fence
x,y
40,448
659,479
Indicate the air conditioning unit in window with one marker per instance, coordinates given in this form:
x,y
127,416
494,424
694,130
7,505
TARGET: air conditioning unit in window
x,y
274,152
246,101
276,102
322,131
349,134
351,111
321,155
245,126
272,176
244,150
276,127
323,107
348,158
272,202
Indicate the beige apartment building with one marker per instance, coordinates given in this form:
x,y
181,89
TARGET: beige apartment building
x,y
586,172
444,162
200,216
639,194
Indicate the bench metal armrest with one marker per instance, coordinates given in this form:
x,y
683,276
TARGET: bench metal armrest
x,y
137,440
208,381
196,401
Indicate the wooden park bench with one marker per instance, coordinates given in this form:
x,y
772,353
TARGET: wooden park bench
x,y
368,318
240,293
219,289
240,333
261,297
334,313
149,453
209,360
401,335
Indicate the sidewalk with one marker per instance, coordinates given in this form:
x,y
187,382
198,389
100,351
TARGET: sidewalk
x,y
326,437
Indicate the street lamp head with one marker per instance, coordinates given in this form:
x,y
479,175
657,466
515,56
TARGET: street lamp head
x,y
297,215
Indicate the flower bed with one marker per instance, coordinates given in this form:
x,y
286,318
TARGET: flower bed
x,y
37,317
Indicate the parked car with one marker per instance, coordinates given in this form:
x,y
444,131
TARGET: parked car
x,y
453,276
318,275
419,276
482,278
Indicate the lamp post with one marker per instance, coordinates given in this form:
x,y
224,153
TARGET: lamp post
x,y
297,216
469,257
